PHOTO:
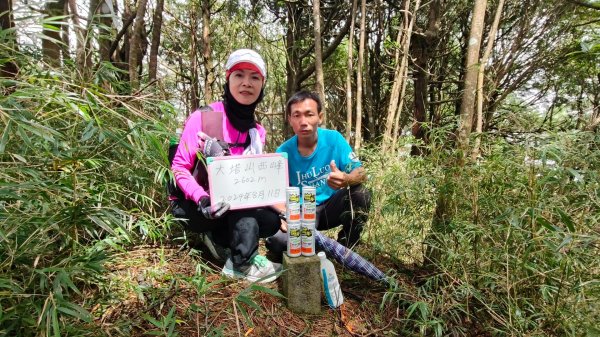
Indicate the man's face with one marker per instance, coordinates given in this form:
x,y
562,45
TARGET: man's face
x,y
304,118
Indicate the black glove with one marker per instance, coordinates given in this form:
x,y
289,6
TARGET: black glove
x,y
219,209
211,147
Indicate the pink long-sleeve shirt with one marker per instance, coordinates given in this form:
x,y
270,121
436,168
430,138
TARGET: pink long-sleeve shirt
x,y
185,157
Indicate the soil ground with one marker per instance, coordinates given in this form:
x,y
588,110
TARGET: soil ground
x,y
147,282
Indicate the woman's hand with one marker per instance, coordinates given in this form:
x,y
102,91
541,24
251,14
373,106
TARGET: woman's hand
x,y
283,226
209,212
212,147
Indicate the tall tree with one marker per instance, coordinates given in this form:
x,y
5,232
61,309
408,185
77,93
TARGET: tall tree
x,y
155,43
467,105
401,69
135,52
104,26
207,59
423,45
299,42
193,56
359,71
480,76
349,73
320,82
9,67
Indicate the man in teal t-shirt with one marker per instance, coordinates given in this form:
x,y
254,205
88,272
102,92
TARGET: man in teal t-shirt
x,y
323,158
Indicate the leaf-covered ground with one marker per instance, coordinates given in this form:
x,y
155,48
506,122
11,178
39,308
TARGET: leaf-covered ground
x,y
145,283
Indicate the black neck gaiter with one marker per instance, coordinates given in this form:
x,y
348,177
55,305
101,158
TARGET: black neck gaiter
x,y
241,116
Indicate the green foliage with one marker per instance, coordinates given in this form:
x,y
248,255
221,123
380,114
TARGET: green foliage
x,y
164,327
78,176
245,297
518,254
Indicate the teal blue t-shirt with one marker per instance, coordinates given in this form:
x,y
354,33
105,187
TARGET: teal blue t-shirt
x,y
314,169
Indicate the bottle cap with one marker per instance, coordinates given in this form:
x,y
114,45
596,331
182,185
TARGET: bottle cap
x,y
321,255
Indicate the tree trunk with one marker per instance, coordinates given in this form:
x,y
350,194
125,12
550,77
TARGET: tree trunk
x,y
135,51
320,82
79,32
8,69
422,49
480,77
155,44
376,70
194,89
349,74
66,42
105,30
467,105
595,115
292,63
209,71
421,83
298,67
359,70
398,88
50,43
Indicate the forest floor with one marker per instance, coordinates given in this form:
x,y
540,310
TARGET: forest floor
x,y
148,282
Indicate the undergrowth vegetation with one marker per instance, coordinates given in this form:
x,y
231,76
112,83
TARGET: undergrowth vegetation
x,y
80,174
515,247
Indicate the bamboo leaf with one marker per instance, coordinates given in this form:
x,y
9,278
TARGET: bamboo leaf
x,y
267,290
542,221
566,219
248,301
76,311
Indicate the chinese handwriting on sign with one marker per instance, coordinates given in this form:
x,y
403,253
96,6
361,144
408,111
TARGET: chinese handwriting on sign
x,y
248,181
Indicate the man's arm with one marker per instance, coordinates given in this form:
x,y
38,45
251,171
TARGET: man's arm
x,y
338,179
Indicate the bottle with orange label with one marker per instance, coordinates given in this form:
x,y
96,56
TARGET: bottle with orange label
x,y
294,242
309,203
309,217
292,204
308,238
292,213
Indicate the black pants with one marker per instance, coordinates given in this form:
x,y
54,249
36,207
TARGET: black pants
x,y
347,207
239,230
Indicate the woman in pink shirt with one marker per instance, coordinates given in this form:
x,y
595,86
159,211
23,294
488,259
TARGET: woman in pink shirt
x,y
238,230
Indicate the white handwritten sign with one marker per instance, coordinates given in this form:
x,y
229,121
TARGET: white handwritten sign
x,y
248,181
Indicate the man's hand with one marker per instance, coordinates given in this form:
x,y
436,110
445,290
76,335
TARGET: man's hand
x,y
337,179
211,147
205,208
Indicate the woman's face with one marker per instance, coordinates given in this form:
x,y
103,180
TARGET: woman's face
x,y
245,85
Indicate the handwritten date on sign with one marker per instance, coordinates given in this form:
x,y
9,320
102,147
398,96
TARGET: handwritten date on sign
x,y
248,181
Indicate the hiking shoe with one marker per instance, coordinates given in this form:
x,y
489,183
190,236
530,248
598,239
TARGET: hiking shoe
x,y
258,269
218,252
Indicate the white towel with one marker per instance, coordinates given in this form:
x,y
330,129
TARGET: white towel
x,y
256,146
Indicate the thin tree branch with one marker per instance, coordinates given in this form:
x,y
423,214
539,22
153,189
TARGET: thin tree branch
x,y
585,4
122,32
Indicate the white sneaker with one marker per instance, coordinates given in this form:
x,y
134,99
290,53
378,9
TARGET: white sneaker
x,y
258,269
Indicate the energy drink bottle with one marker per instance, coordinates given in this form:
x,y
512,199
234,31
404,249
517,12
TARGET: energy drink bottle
x,y
309,203
308,238
294,242
292,215
292,204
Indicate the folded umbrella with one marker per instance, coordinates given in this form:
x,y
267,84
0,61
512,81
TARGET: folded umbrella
x,y
348,258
